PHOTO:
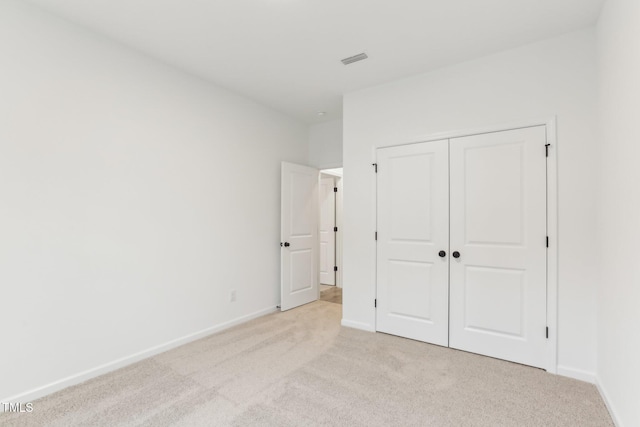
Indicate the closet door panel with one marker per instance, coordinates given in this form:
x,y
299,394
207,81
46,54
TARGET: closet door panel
x,y
413,227
498,227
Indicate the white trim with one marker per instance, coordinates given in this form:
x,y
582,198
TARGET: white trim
x,y
339,233
331,172
552,251
519,124
357,325
83,376
577,374
607,402
374,209
552,214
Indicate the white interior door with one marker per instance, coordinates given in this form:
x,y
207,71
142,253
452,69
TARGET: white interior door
x,y
413,228
299,235
327,233
498,228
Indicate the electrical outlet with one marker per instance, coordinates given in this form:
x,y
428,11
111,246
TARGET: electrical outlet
x,y
232,295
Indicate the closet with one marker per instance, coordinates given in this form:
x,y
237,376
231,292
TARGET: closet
x,y
461,243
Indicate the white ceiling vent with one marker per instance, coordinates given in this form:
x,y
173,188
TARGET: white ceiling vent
x,y
354,58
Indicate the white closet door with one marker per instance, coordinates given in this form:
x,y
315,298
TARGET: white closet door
x,y
413,227
327,233
498,227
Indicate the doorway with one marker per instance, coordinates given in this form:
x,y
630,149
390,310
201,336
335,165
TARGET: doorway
x,y
330,234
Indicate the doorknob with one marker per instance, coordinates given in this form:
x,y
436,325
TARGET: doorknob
x,y
286,244
456,254
442,254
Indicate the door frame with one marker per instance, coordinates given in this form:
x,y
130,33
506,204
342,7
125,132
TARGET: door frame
x,y
339,215
551,351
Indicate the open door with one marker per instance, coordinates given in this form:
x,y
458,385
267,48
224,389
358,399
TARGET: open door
x,y
299,236
327,230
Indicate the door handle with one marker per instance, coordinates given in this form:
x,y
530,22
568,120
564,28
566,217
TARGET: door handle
x,y
286,244
442,254
456,254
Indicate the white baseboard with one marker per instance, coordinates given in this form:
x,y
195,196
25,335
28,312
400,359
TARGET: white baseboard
x,y
83,376
577,374
607,402
357,325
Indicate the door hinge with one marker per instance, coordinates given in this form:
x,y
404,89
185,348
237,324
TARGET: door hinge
x,y
547,241
546,150
375,303
335,229
335,268
547,332
375,167
375,235
335,189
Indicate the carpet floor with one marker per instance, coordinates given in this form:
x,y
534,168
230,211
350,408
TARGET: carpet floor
x,y
301,368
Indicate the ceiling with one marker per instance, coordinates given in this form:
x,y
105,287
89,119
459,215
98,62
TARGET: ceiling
x,y
286,53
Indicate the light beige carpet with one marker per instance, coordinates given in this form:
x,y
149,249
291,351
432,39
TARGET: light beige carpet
x,y
300,368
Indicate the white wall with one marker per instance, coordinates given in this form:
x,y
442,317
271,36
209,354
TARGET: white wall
x,y
133,199
325,144
552,77
619,293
